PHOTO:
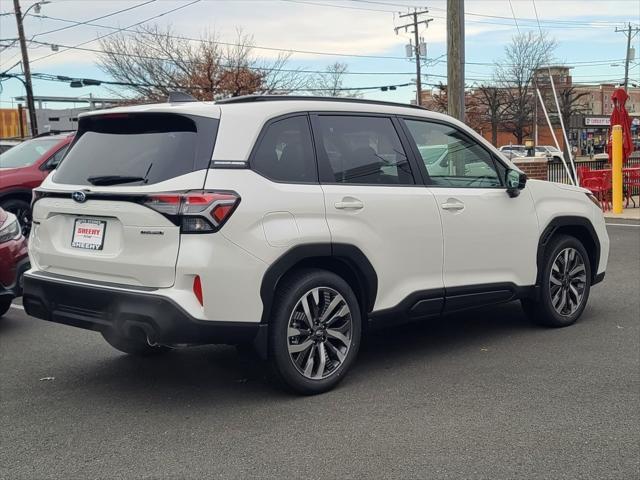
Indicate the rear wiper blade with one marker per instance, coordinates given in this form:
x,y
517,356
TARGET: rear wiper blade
x,y
114,179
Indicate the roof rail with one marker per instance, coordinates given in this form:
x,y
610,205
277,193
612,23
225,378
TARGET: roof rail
x,y
53,132
275,98
177,97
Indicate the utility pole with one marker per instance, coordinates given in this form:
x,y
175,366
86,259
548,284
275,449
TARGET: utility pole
x,y
27,69
630,32
416,47
455,58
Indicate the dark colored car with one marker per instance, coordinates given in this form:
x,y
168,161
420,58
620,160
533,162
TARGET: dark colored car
x,y
14,260
24,167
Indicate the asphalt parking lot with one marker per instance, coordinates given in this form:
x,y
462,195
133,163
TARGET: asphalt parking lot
x,y
479,395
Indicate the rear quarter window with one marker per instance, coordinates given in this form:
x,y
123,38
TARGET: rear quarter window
x,y
284,152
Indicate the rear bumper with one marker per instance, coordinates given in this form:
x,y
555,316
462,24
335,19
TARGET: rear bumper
x,y
127,313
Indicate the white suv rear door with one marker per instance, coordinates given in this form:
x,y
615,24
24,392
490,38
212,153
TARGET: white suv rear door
x,y
489,237
373,202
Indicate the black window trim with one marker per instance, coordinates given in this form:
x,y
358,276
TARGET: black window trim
x,y
262,134
422,167
404,142
45,165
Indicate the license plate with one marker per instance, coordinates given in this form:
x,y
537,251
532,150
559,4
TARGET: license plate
x,y
88,233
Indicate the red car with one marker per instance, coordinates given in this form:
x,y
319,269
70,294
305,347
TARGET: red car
x,y
14,260
24,167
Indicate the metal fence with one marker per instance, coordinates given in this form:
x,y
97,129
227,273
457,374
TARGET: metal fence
x,y
557,173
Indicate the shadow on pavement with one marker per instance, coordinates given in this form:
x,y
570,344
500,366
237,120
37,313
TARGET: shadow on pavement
x,y
214,374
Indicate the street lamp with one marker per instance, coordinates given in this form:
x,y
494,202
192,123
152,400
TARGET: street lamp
x,y
37,7
25,60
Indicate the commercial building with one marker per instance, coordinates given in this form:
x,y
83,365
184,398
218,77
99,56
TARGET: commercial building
x,y
50,119
587,108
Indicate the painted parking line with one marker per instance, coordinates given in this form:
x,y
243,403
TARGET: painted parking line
x,y
623,225
17,307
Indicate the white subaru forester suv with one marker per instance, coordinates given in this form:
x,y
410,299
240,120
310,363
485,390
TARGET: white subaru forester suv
x,y
292,224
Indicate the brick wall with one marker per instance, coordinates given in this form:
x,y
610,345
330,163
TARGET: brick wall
x,y
535,167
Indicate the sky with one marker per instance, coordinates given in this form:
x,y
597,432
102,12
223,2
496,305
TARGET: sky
x,y
359,33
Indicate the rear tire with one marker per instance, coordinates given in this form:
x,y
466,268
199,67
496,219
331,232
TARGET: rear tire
x,y
314,334
565,283
5,304
133,346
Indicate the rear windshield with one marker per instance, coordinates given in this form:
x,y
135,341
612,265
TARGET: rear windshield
x,y
143,148
27,153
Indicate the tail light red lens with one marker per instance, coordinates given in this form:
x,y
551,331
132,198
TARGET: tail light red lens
x,y
197,212
197,289
168,204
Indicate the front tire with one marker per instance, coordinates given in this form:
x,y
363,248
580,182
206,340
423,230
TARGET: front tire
x,y
315,330
564,285
133,346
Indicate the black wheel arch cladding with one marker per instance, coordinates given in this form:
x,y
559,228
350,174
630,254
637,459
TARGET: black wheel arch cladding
x,y
346,260
580,228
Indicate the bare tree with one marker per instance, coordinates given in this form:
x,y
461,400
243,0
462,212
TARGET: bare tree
x,y
155,61
492,102
331,83
515,75
571,103
436,100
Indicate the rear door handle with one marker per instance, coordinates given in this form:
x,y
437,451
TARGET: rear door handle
x,y
453,205
349,203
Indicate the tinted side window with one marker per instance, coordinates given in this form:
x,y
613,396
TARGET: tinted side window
x,y
361,150
285,152
452,159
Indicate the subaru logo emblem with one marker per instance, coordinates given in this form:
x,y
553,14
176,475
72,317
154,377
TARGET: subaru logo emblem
x,y
79,197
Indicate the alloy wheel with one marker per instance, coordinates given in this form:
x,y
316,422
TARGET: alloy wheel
x,y
567,281
319,333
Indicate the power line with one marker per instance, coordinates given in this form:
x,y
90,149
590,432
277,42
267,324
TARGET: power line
x,y
549,23
319,4
75,23
86,22
513,13
94,82
150,57
166,12
267,69
524,19
257,47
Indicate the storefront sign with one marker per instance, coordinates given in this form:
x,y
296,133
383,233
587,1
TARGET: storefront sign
x,y
595,121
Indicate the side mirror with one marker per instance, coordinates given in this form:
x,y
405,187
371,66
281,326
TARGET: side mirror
x,y
515,182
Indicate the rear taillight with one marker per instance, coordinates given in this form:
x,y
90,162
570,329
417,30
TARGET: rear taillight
x,y
202,212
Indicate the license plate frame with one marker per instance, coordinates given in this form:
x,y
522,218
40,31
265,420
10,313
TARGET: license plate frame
x,y
92,238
